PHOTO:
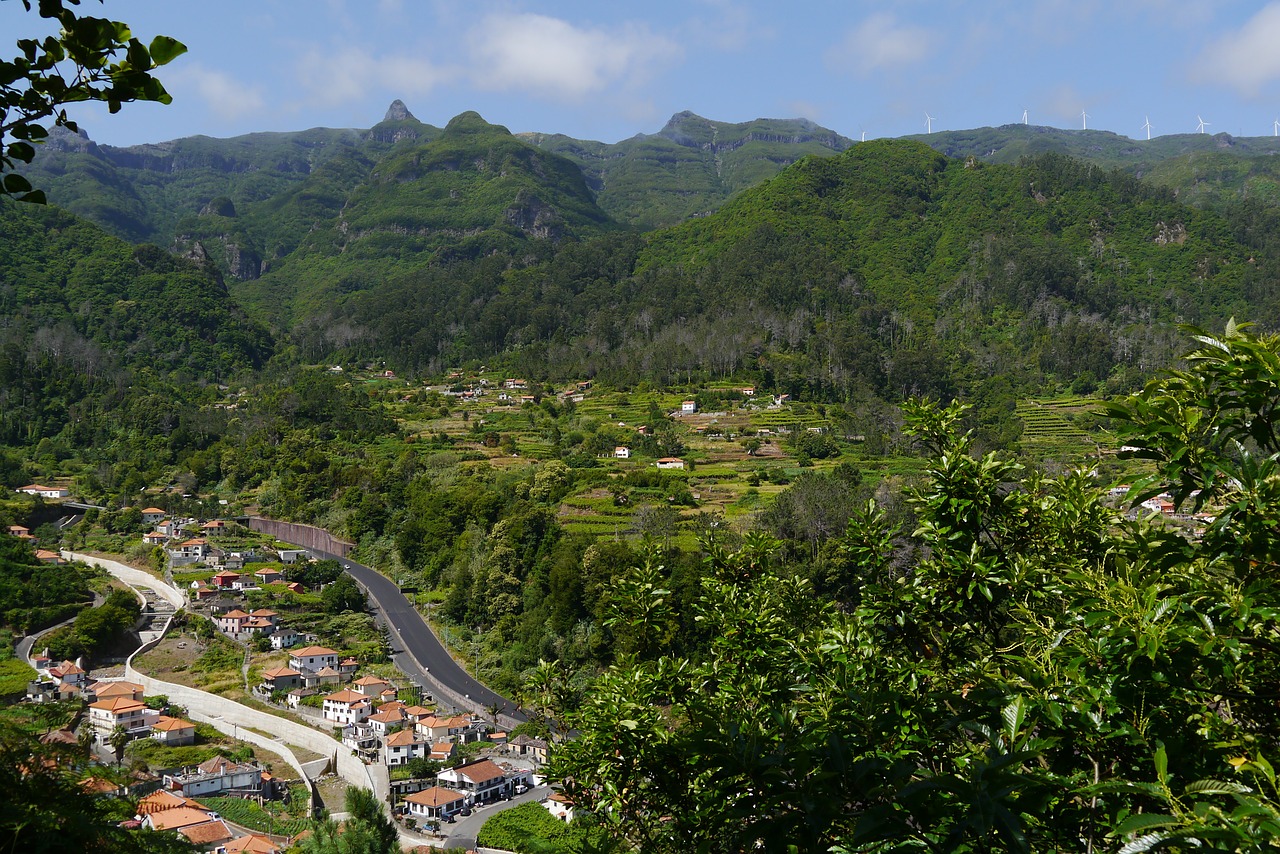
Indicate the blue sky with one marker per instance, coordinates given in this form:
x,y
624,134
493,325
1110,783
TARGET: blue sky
x,y
607,71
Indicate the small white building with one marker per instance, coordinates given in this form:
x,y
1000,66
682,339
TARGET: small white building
x,y
45,491
688,406
173,732
435,803
284,638
622,452
670,463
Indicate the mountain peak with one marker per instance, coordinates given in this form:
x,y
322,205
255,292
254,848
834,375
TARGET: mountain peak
x,y
397,112
471,122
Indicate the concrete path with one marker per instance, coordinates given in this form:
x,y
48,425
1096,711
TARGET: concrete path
x,y
135,578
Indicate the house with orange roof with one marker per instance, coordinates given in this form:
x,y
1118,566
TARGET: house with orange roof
x,y
370,686
151,515
269,575
483,780
435,727
45,491
215,526
232,622
435,803
111,690
281,679
417,713
192,550
173,732
346,707
295,587
69,673
46,556
155,538
313,658
559,805
400,747
161,800
252,844
443,751
21,532
134,717
385,722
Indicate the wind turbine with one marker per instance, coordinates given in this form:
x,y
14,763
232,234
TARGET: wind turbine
x,y
928,123
864,136
1200,128
1275,128
1084,120
1147,126
1024,117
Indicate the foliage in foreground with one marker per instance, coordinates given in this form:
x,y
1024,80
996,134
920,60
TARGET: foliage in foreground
x,y
530,829
1048,676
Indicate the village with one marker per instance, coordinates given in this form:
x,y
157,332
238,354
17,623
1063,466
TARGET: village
x,y
435,764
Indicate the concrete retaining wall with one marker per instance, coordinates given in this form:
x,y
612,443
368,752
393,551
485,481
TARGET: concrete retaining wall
x,y
306,536
133,577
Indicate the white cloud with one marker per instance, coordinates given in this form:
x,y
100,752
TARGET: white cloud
x,y
348,75
1246,59
555,59
880,43
226,97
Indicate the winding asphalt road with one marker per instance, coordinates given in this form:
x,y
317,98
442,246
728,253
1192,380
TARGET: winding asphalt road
x,y
425,652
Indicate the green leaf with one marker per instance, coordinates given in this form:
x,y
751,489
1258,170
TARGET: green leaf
x,y
1216,787
1143,821
1162,764
164,50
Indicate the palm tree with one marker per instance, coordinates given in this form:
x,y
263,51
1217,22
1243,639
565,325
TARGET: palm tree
x,y
119,739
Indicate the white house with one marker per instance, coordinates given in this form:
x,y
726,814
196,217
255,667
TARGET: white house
x,y
670,463
313,658
559,806
483,781
45,491
402,746
622,452
435,803
347,707
284,638
152,515
214,776
688,406
126,712
174,732
385,722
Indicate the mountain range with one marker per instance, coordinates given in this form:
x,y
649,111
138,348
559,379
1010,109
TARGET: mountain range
x,y
773,249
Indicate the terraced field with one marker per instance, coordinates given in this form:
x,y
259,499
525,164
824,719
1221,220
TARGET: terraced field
x,y
1049,431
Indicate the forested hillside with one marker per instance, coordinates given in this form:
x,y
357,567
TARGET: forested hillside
x,y
92,324
887,270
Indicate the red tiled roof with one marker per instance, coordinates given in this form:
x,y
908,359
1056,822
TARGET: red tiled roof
x,y
434,797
